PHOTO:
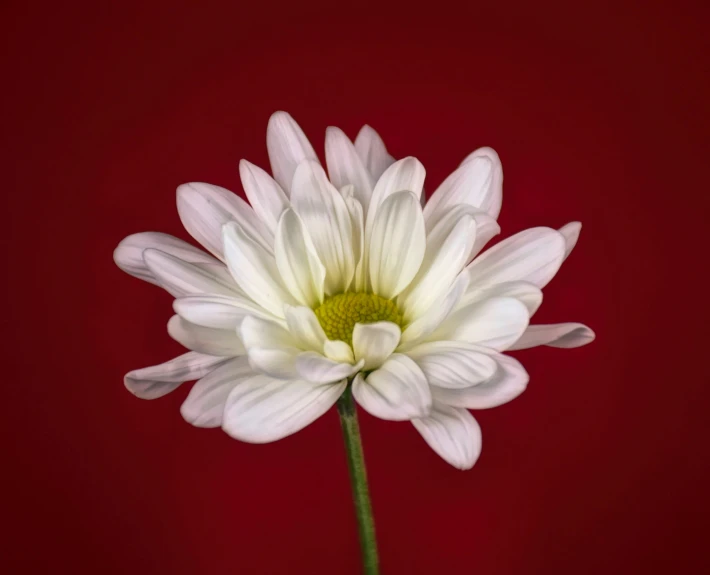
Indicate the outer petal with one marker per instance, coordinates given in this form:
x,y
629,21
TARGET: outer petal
x,y
219,312
453,364
375,342
128,255
478,182
159,380
571,233
509,381
222,342
496,323
447,250
564,335
254,269
205,403
453,433
397,245
532,255
180,278
372,151
287,146
297,261
494,198
317,368
529,294
204,209
326,217
265,196
262,409
345,166
398,391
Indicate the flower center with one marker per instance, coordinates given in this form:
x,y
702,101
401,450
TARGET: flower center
x,y
339,314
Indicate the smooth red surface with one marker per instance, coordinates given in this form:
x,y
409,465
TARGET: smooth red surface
x,y
599,113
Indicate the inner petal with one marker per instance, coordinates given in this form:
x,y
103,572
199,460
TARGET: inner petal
x,y
339,314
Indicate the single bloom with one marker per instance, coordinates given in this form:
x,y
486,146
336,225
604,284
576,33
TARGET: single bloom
x,y
325,279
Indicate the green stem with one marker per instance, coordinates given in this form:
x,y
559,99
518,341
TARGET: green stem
x,y
358,480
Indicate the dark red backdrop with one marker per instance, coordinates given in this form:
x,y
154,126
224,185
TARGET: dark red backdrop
x,y
599,113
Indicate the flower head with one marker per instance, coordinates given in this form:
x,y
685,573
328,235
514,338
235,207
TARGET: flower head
x,y
325,279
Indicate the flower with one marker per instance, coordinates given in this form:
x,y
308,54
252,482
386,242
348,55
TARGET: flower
x,y
321,280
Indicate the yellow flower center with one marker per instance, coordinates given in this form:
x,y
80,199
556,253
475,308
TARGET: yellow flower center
x,y
339,314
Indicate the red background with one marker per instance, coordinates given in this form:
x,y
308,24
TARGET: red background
x,y
599,113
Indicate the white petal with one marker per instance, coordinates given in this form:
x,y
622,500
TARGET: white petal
x,y
180,278
223,342
205,403
492,199
453,434
375,342
128,255
317,368
338,351
529,294
254,269
204,209
509,381
571,233
496,323
272,349
278,363
453,364
447,250
326,217
422,327
372,151
304,327
398,391
397,244
486,227
474,183
261,333
264,194
159,380
287,146
358,235
262,409
406,175
532,255
220,312
564,335
297,261
345,166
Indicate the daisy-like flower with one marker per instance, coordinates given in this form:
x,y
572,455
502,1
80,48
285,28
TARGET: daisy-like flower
x,y
324,281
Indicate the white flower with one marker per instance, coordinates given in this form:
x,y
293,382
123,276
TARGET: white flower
x,y
322,280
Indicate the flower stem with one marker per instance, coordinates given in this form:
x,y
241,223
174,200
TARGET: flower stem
x,y
358,480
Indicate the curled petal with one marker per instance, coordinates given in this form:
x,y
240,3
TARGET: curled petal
x,y
205,403
564,335
452,433
262,409
159,380
398,391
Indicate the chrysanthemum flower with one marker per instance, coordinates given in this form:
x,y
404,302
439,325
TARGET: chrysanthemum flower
x,y
324,281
